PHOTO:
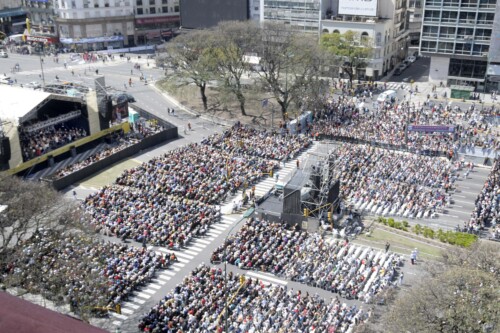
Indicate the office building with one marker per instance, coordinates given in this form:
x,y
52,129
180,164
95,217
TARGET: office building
x,y
89,25
460,36
155,20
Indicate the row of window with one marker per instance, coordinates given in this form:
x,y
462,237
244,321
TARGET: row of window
x,y
438,16
454,48
462,3
467,68
151,2
458,33
152,10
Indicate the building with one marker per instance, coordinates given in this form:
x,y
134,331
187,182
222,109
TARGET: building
x,y
42,16
415,10
200,14
89,25
12,17
385,22
302,15
155,20
460,36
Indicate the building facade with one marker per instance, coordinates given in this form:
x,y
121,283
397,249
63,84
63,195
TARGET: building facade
x,y
460,37
155,20
88,25
42,16
12,17
304,15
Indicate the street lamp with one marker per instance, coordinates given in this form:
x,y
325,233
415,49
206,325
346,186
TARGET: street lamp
x,y
485,54
41,66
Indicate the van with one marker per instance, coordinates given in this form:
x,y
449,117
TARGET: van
x,y
387,96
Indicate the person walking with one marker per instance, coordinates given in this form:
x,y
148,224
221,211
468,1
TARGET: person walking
x,y
400,280
413,257
298,164
387,246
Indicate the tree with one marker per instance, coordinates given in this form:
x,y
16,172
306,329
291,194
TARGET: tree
x,y
28,207
290,64
232,42
352,50
461,295
190,56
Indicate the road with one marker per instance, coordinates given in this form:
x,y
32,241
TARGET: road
x,y
117,73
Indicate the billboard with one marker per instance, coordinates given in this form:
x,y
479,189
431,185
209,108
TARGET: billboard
x,y
358,7
197,14
432,128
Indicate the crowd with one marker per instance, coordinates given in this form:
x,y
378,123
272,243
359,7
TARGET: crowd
x,y
351,271
198,172
148,215
388,182
120,143
487,204
246,140
198,305
344,117
81,271
42,141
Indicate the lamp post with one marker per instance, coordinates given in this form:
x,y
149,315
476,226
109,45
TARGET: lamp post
x,y
41,66
485,79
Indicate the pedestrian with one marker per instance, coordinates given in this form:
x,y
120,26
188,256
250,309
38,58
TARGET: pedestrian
x,y
168,110
144,243
387,246
401,276
131,72
298,164
189,126
413,257
96,72
74,194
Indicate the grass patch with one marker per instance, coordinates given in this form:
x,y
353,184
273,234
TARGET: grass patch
x,y
399,244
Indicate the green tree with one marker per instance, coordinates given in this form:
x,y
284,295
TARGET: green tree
x,y
190,56
461,295
290,65
352,50
232,41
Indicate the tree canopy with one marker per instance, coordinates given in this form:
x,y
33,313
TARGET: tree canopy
x,y
351,48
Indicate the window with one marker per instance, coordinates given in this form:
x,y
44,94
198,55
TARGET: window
x,y
152,2
164,2
164,9
140,11
152,10
176,9
364,36
430,31
139,2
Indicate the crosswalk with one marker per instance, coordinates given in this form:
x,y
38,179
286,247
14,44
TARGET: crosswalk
x,y
198,245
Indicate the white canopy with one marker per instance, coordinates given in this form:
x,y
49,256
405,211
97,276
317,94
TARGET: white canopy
x,y
16,102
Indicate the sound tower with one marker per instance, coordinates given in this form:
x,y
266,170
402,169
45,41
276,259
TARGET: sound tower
x,y
333,192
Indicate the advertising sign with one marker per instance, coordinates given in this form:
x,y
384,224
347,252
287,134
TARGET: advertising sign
x,y
431,128
358,7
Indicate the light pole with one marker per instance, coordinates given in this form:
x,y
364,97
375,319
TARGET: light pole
x,y
485,79
41,66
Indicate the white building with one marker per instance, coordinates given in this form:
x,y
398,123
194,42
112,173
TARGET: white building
x,y
383,21
95,24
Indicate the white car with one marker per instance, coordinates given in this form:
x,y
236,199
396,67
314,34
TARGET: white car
x,y
34,85
3,54
411,59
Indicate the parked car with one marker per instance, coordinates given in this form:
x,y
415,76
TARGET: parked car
x,y
3,54
34,85
411,59
406,63
6,80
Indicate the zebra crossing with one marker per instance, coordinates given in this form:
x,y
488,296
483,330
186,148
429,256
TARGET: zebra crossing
x,y
195,247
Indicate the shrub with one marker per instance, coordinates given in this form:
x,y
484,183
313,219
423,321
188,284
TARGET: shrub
x,y
417,229
391,222
428,232
406,224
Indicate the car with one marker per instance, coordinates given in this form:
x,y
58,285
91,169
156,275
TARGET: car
x,y
3,54
387,96
407,63
411,59
122,97
34,85
6,80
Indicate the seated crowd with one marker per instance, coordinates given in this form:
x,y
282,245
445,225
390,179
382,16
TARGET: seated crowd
x,y
42,141
197,172
388,182
80,270
352,271
122,143
148,215
343,118
246,140
487,204
198,305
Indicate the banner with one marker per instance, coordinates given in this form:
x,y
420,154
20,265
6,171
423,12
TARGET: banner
x,y
358,7
431,128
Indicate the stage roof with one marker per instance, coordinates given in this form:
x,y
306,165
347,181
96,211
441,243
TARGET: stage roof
x,y
16,102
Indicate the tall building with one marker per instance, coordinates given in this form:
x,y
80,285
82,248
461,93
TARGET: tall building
x,y
12,17
299,14
385,22
200,14
95,24
42,16
155,19
460,36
